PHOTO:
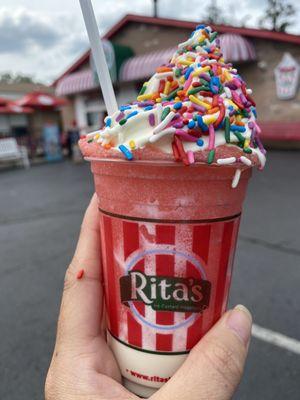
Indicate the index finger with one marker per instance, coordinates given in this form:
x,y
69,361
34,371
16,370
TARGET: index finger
x,y
82,303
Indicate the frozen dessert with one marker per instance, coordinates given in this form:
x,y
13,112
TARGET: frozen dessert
x,y
196,108
171,172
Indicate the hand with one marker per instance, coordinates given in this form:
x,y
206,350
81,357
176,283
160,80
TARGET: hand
x,y
83,367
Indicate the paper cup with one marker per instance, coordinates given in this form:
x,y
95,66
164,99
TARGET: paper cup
x,y
168,236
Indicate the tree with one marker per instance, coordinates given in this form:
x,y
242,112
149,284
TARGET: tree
x,y
278,14
214,14
7,77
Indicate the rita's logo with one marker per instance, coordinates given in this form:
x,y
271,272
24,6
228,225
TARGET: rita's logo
x,y
188,294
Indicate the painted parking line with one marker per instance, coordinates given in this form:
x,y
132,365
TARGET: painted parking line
x,y
277,339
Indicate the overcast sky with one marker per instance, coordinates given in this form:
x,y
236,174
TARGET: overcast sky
x,y
42,38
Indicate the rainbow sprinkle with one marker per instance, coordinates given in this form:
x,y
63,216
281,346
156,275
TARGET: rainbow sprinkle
x,y
127,153
196,102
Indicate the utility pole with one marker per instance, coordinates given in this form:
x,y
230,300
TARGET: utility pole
x,y
155,9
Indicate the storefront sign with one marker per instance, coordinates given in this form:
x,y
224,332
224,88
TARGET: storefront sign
x,y
110,59
287,77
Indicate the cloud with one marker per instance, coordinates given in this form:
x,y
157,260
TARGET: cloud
x,y
183,9
21,30
43,37
108,15
39,43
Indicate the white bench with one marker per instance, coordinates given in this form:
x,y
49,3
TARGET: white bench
x,y
11,151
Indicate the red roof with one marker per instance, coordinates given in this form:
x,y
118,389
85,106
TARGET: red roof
x,y
41,100
255,33
12,108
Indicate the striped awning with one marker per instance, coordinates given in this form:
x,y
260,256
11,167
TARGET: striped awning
x,y
237,48
76,83
141,67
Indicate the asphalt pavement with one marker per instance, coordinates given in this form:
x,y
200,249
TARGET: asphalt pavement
x,y
40,215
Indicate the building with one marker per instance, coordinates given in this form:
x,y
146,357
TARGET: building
x,y
25,108
14,91
15,121
267,60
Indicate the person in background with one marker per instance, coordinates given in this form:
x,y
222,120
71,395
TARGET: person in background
x,y
73,135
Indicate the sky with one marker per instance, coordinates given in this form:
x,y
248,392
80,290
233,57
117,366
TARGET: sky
x,y
42,38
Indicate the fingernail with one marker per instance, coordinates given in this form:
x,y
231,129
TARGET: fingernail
x,y
240,321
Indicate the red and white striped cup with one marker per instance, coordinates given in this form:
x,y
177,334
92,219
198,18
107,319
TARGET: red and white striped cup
x,y
168,237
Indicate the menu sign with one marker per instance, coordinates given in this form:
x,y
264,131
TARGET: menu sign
x,y
287,77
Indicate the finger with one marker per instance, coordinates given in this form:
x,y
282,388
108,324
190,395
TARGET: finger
x,y
81,308
214,367
87,253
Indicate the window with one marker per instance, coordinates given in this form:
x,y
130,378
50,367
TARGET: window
x,y
18,120
19,125
95,119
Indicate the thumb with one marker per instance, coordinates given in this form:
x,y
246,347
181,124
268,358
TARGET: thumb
x,y
214,367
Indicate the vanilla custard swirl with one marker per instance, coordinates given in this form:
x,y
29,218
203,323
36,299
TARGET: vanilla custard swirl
x,y
194,103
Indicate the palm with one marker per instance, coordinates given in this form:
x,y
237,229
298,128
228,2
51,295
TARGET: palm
x,y
88,369
96,373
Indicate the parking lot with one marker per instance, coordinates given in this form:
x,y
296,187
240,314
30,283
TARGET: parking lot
x,y
40,215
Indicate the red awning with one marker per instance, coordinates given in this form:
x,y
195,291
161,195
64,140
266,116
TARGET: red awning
x,y
3,101
12,108
41,100
237,48
143,66
75,83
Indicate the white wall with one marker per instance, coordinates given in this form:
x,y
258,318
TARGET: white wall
x,y
83,105
80,112
126,94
